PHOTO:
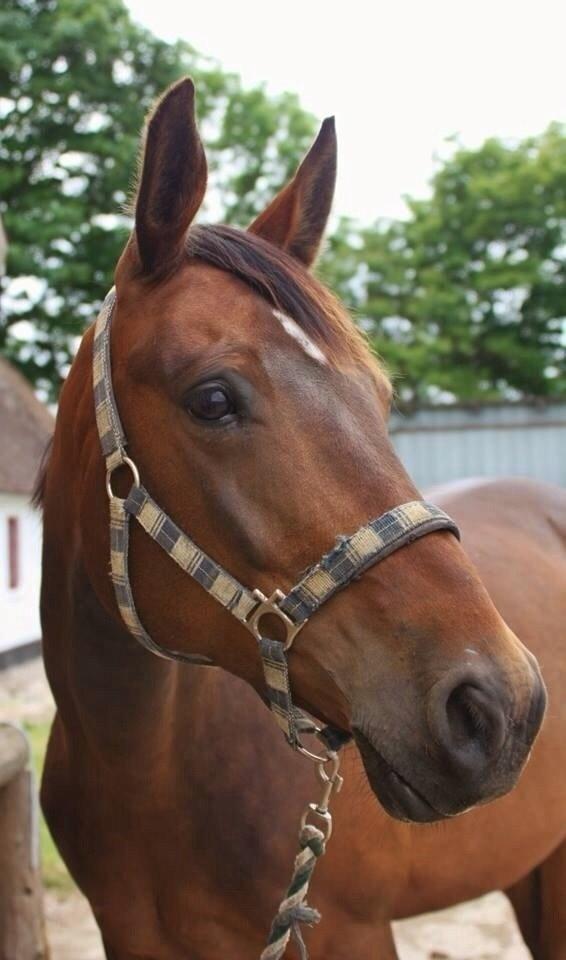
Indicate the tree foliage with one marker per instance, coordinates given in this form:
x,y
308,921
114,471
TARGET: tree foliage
x,y
76,79
466,298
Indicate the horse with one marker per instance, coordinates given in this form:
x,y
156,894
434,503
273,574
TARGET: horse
x,y
257,416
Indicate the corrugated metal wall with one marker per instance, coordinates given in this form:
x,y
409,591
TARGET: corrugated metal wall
x,y
448,443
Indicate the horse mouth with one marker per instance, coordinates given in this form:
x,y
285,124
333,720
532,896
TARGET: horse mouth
x,y
399,798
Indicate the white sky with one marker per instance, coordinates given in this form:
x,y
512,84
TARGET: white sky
x,y
400,76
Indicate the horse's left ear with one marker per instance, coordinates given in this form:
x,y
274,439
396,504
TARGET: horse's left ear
x,y
296,219
173,179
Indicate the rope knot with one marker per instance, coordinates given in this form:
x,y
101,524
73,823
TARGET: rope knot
x,y
313,838
301,913
297,916
293,910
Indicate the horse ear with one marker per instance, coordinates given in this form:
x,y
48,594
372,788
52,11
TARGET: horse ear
x,y
173,179
296,219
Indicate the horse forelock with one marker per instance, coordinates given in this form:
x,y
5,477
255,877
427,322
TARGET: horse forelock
x,y
287,285
283,282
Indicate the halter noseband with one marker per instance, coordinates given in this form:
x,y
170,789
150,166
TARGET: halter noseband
x,y
350,557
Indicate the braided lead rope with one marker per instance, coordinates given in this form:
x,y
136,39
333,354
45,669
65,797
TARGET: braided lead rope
x,y
293,910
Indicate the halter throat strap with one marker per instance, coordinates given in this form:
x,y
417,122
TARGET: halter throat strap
x,y
349,558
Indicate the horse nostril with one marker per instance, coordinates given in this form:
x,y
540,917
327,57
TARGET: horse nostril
x,y
468,720
479,731
474,720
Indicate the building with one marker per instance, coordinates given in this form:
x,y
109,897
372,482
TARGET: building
x,y
25,428
445,443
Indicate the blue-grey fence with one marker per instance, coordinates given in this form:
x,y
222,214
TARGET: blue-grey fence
x,y
448,443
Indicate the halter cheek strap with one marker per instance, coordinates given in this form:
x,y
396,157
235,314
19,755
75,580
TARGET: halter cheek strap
x,y
350,557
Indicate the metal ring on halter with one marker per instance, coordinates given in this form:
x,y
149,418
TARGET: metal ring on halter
x,y
126,462
268,606
315,757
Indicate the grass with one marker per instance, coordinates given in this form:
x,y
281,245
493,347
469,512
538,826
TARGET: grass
x,y
55,874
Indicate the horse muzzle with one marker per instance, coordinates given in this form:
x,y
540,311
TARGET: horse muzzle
x,y
476,742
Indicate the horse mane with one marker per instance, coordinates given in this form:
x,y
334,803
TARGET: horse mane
x,y
38,493
285,283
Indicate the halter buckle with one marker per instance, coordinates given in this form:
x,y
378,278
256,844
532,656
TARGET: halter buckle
x,y
270,605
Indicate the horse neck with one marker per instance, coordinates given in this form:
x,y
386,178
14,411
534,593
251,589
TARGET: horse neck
x,y
116,698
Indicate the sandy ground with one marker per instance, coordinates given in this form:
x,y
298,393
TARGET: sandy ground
x,y
481,930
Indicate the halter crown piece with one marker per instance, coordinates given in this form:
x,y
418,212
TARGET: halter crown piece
x,y
351,556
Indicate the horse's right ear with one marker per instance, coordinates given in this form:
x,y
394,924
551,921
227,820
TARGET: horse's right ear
x,y
173,179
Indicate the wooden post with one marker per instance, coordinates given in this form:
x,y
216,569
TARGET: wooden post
x,y
22,931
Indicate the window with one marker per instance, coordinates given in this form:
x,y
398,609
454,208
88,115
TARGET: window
x,y
13,553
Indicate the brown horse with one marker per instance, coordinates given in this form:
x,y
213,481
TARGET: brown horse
x,y
259,421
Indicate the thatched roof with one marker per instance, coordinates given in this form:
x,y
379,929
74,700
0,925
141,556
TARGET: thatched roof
x,y
25,428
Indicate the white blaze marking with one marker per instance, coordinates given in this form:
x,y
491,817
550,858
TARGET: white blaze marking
x,y
294,330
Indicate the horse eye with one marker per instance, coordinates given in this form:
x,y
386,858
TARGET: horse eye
x,y
210,401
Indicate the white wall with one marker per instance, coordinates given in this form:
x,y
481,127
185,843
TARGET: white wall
x,y
19,607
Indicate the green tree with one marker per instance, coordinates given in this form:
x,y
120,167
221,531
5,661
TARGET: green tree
x,y
466,298
76,78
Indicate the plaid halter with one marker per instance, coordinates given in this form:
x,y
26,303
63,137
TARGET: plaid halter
x,y
350,557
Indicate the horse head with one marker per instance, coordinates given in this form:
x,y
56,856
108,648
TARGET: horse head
x,y
257,417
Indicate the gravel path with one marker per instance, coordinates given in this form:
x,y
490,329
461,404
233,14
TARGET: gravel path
x,y
481,930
